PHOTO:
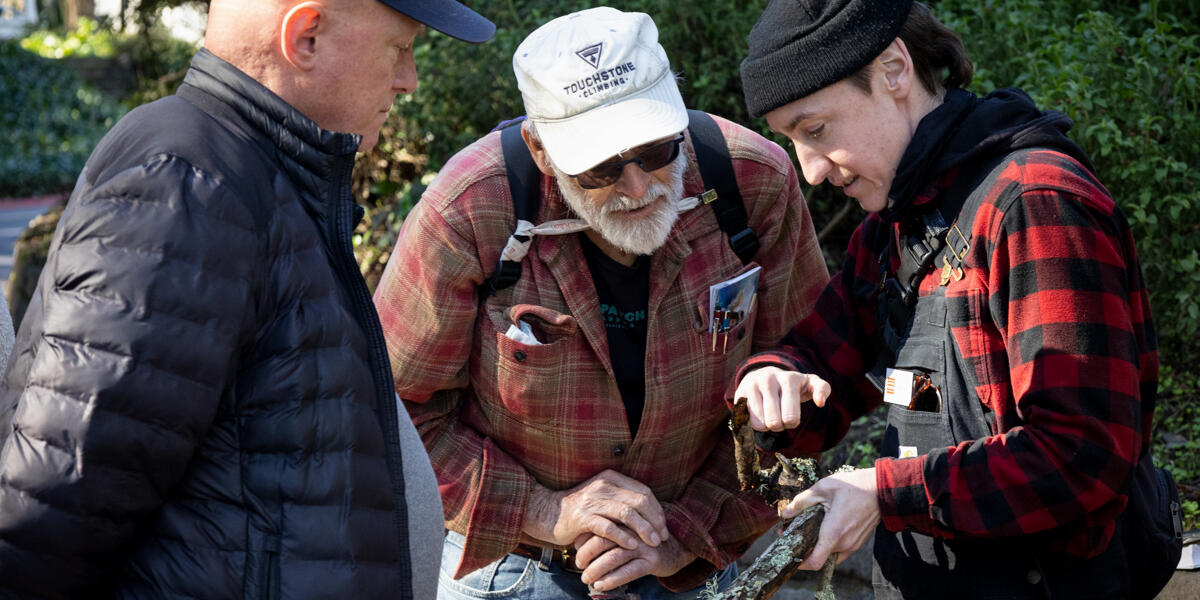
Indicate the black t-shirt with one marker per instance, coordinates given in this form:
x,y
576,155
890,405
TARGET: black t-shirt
x,y
624,293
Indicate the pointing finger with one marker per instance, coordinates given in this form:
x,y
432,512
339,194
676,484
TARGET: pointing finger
x,y
820,390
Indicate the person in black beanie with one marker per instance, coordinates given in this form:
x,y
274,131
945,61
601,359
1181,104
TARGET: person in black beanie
x,y
992,298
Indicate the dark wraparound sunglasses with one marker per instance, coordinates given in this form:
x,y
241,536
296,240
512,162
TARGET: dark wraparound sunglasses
x,y
651,159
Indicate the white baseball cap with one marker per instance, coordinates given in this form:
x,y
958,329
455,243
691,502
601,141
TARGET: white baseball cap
x,y
597,83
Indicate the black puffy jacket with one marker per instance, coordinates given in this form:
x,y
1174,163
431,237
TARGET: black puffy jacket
x,y
199,404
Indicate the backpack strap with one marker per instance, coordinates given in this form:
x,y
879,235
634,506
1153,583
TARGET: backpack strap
x,y
716,169
943,231
524,183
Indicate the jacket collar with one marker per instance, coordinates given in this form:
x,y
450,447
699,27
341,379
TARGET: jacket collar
x,y
966,130
308,152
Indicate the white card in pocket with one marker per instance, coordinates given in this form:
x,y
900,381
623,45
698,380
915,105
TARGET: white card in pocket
x,y
897,388
523,334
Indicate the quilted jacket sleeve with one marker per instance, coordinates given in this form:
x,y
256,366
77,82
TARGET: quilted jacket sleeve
x,y
118,370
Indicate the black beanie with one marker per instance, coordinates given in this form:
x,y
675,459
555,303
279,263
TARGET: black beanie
x,y
800,46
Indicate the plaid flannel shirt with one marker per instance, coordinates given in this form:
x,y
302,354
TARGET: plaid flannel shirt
x,y
497,415
1054,318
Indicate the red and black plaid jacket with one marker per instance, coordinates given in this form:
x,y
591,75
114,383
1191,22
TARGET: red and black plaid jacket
x,y
1060,337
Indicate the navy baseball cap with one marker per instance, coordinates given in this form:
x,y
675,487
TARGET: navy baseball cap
x,y
448,17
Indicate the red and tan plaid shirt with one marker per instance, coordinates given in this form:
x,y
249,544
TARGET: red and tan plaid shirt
x,y
1057,327
497,415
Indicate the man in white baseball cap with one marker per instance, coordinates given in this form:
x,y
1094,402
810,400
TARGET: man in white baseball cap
x,y
574,411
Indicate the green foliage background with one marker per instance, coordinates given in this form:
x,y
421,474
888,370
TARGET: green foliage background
x,y
1129,79
51,122
52,118
1126,72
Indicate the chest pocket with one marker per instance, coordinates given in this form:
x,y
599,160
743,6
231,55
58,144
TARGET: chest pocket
x,y
911,432
946,415
724,351
713,356
522,381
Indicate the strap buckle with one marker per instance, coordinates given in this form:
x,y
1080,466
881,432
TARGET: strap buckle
x,y
744,244
962,241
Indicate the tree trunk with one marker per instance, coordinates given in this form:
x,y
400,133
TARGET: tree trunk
x,y
73,9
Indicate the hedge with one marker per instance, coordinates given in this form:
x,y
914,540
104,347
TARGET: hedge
x,y
1126,74
51,121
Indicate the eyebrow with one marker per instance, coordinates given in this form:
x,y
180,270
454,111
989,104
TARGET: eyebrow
x,y
801,116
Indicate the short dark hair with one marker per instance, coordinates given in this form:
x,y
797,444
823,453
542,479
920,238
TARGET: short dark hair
x,y
938,54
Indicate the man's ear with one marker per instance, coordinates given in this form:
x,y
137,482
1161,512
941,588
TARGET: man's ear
x,y
896,69
537,151
298,34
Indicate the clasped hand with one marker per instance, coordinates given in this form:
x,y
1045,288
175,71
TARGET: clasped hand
x,y
610,505
615,522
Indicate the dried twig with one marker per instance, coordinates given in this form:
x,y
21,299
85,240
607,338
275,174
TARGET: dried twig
x,y
745,456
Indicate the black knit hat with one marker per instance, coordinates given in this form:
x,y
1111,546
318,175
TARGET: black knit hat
x,y
800,46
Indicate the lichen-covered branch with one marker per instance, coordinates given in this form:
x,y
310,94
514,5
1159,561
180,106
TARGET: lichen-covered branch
x,y
779,561
825,581
785,479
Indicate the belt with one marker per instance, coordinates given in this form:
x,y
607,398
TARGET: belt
x,y
546,556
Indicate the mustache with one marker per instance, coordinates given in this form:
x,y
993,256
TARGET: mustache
x,y
620,203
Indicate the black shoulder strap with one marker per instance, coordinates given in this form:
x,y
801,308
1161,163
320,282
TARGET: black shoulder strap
x,y
524,183
524,178
942,233
944,229
716,169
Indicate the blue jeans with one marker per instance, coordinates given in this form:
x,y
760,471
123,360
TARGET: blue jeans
x,y
520,578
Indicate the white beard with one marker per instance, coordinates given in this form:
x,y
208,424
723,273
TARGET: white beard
x,y
638,235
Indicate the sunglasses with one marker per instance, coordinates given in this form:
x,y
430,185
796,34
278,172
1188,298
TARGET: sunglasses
x,y
651,159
